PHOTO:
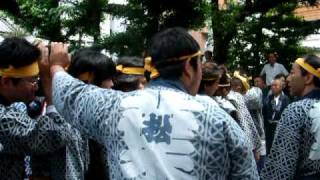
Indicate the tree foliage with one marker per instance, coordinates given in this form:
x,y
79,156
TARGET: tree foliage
x,y
244,32
147,17
71,20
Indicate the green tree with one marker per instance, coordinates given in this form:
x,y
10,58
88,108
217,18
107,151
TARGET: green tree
x,y
71,20
147,17
244,31
59,20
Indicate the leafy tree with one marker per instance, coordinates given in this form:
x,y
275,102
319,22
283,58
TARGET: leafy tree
x,y
147,17
244,31
66,21
71,20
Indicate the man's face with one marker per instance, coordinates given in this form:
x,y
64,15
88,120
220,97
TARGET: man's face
x,y
276,87
24,90
236,86
222,91
258,82
296,81
272,58
212,88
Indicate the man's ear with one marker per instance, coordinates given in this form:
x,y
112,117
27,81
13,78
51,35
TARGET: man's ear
x,y
308,79
5,81
187,69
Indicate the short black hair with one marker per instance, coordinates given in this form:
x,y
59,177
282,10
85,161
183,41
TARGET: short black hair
x,y
313,61
17,52
89,60
128,82
278,76
168,45
258,76
209,71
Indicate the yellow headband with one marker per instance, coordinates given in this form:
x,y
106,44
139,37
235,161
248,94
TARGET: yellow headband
x,y
243,80
21,72
131,70
308,67
155,73
86,76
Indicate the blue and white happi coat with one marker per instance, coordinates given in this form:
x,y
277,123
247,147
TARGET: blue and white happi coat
x,y
295,152
157,133
245,120
48,137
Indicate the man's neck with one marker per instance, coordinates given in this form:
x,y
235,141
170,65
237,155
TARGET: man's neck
x,y
4,99
308,89
276,95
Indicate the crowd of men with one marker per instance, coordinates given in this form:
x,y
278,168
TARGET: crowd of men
x,y
167,115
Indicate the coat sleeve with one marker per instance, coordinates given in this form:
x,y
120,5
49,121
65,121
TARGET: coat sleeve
x,y
243,165
21,134
86,107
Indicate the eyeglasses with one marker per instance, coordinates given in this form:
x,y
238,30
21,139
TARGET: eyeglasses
x,y
32,80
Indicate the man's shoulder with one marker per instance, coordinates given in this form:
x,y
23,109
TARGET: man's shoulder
x,y
300,107
279,65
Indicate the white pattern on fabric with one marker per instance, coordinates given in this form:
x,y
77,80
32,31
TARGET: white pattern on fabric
x,y
314,114
21,135
207,145
289,155
245,120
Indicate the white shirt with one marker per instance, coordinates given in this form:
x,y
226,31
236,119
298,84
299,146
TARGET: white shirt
x,y
276,99
272,71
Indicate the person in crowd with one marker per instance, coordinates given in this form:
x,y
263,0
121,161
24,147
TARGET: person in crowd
x,y
46,135
92,67
248,102
210,79
163,131
295,152
220,97
130,74
273,68
259,81
208,56
273,106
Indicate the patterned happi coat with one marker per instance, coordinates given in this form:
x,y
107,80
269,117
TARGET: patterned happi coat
x,y
160,132
48,137
245,120
295,152
253,99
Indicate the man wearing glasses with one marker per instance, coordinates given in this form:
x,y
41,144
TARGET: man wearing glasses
x,y
20,134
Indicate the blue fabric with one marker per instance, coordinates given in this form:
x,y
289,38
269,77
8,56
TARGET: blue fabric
x,y
168,83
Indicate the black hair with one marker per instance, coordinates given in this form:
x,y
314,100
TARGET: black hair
x,y
89,60
17,52
165,49
209,71
263,78
313,61
208,55
128,82
224,79
279,76
269,52
257,76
